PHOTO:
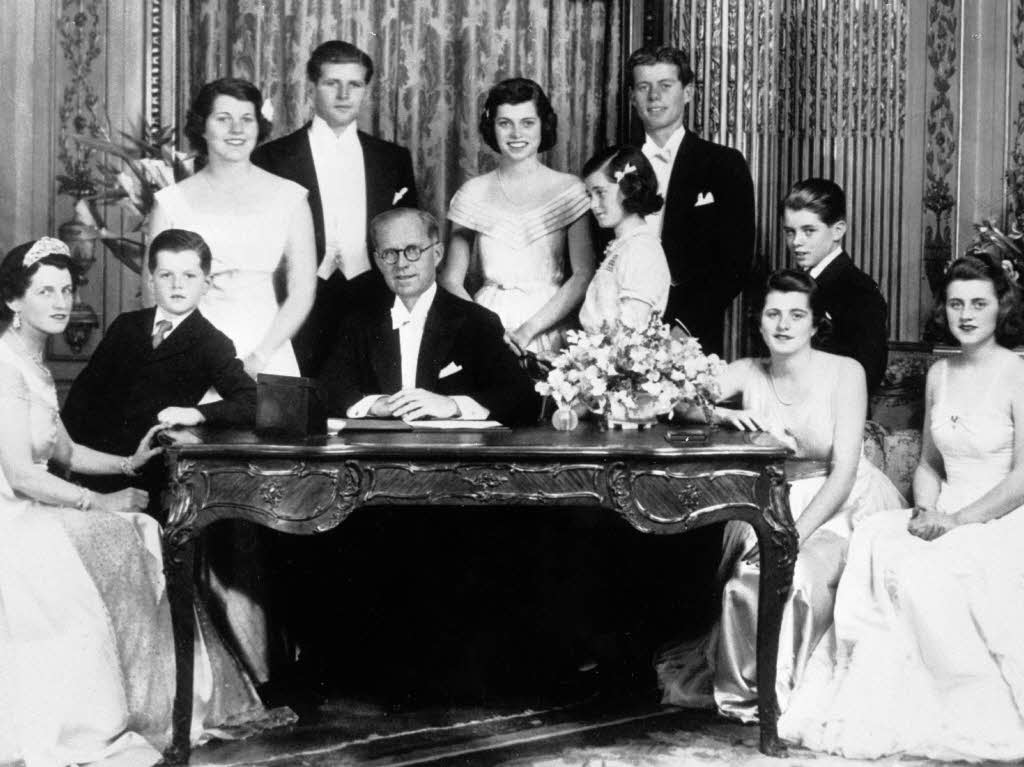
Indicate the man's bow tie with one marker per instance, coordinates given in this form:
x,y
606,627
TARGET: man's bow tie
x,y
399,318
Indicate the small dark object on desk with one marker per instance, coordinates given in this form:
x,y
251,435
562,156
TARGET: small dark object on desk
x,y
687,434
289,405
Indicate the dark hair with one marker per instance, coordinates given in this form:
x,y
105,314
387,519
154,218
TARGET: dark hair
x,y
337,52
176,241
979,266
822,197
794,281
639,187
15,277
650,55
383,219
202,107
518,90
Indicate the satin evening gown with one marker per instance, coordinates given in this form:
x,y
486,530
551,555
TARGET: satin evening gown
x,y
86,650
927,653
722,667
522,251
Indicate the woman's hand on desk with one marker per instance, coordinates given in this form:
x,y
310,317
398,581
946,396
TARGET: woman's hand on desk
x,y
744,420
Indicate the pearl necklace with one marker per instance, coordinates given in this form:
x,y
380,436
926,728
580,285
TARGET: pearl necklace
x,y
775,390
504,190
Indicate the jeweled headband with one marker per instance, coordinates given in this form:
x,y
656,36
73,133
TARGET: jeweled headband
x,y
45,246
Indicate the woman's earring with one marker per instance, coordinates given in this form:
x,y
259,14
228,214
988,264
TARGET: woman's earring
x,y
16,322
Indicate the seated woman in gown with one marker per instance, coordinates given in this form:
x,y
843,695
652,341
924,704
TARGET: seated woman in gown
x,y
253,222
633,279
521,218
86,651
814,402
927,654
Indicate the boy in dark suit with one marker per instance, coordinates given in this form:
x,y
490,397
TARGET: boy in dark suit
x,y
155,365
814,222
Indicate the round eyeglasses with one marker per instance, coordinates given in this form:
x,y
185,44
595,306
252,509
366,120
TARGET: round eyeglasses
x,y
411,253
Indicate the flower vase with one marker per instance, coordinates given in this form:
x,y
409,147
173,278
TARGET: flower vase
x,y
641,415
565,418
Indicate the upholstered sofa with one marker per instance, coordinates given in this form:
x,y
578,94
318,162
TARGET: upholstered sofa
x,y
894,451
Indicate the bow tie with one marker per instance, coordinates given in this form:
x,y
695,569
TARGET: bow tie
x,y
399,318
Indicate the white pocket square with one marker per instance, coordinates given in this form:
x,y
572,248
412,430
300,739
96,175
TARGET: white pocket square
x,y
704,199
399,195
449,370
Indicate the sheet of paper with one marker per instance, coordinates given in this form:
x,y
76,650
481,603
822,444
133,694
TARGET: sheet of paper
x,y
453,424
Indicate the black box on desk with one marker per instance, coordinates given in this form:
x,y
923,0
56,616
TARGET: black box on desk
x,y
289,405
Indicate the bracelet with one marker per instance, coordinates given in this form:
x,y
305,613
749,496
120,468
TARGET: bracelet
x,y
127,467
84,500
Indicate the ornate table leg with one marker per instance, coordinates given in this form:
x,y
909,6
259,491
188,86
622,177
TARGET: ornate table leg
x,y
179,569
777,542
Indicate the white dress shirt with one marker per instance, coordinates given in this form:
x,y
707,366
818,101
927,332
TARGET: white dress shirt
x,y
410,324
662,159
341,176
816,270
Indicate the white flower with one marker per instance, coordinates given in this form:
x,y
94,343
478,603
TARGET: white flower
x,y
157,172
267,110
132,186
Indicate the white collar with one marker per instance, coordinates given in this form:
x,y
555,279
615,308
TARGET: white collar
x,y
418,314
174,319
816,270
670,148
321,131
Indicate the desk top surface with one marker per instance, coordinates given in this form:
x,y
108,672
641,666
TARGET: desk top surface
x,y
523,443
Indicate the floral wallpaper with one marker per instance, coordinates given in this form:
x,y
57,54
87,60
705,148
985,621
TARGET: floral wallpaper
x,y
434,61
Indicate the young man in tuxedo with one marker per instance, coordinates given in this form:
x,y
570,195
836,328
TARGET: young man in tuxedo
x,y
155,365
707,224
351,177
424,353
814,222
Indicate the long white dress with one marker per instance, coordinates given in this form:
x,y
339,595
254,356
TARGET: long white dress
x,y
522,251
246,250
86,650
723,665
927,653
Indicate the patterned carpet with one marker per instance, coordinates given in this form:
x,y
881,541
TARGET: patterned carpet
x,y
592,733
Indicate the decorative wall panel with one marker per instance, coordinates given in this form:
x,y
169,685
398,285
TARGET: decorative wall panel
x,y
809,88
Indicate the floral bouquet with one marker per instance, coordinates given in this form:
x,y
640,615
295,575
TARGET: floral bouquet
x,y
628,373
146,166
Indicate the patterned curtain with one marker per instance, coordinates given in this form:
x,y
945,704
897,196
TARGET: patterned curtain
x,y
434,61
809,88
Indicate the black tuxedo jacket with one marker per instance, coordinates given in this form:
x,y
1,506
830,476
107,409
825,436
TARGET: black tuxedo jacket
x,y
388,170
858,326
366,359
126,383
709,247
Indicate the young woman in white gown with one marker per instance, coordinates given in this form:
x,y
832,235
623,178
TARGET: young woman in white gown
x,y
521,218
815,403
253,221
927,653
86,650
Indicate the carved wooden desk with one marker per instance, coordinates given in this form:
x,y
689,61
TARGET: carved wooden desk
x,y
311,486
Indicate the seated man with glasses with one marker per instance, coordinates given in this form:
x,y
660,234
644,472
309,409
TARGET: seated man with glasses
x,y
427,353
